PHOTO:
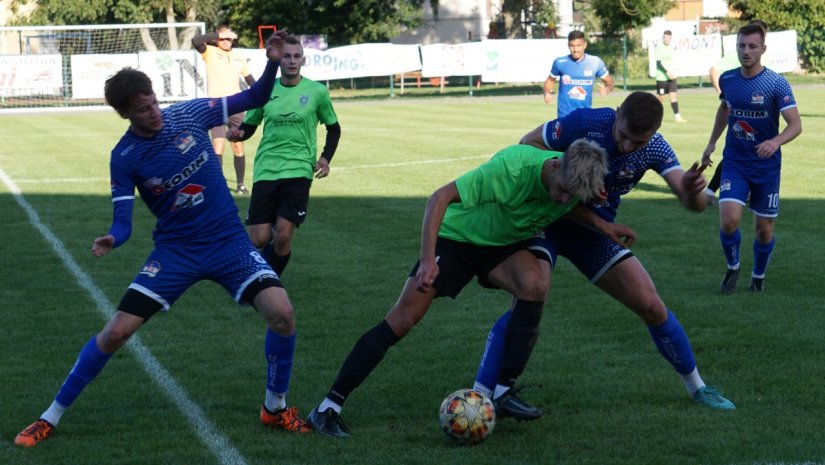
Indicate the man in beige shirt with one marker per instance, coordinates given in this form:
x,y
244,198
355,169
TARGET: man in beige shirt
x,y
223,72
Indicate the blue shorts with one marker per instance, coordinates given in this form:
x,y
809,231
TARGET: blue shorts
x,y
171,269
736,185
591,252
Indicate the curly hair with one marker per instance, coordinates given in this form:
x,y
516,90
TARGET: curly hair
x,y
583,168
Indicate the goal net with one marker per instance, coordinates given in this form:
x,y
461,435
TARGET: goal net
x,y
65,67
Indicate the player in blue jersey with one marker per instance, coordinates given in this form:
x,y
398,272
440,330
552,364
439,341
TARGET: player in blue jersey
x,y
168,156
577,72
752,98
633,147
729,61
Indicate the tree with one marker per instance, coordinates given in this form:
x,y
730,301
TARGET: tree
x,y
343,22
806,16
620,16
517,14
63,12
83,12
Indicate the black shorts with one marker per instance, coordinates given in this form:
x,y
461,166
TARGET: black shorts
x,y
219,132
458,262
287,198
666,87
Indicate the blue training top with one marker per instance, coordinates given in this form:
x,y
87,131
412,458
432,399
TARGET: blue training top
x,y
625,170
576,79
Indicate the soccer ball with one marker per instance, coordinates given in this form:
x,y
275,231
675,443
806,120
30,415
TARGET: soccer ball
x,y
467,416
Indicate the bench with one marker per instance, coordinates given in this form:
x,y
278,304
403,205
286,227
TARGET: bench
x,y
415,76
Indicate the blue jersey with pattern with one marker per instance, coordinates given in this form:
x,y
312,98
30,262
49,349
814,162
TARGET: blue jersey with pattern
x,y
625,170
576,79
177,175
754,105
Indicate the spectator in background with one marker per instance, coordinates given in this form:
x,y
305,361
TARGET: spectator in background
x,y
665,75
223,72
578,72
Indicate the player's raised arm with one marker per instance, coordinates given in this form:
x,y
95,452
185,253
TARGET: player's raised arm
x,y
275,45
258,94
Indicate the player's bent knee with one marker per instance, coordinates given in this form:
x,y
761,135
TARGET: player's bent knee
x,y
112,338
270,299
533,286
651,311
259,236
282,240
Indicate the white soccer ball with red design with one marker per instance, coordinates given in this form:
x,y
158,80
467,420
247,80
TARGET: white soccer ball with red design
x,y
467,416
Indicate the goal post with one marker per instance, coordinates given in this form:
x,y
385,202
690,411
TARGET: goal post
x,y
65,67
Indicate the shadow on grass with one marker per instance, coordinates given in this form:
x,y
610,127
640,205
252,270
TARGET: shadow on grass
x,y
594,364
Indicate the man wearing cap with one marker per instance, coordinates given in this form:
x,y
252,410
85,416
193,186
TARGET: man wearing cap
x,y
223,70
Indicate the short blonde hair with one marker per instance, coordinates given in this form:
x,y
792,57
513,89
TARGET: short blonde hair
x,y
583,168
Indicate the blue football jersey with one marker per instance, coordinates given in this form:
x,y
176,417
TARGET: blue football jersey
x,y
177,175
754,105
576,79
625,170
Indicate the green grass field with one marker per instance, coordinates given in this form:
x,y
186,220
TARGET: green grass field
x,y
609,397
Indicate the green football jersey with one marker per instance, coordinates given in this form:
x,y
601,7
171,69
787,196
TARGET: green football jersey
x,y
288,147
503,201
664,54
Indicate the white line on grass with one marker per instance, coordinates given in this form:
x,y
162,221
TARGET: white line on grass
x,y
217,443
61,181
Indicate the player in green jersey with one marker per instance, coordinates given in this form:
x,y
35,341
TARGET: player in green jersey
x,y
477,225
287,158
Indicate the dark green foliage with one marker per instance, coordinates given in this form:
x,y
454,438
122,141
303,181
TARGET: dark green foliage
x,y
618,16
806,16
83,12
343,22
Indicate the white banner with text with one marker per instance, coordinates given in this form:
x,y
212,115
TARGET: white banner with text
x,y
181,75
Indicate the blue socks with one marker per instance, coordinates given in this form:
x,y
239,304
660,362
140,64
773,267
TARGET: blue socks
x,y
488,369
730,246
669,337
761,257
673,344
761,252
279,351
89,363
